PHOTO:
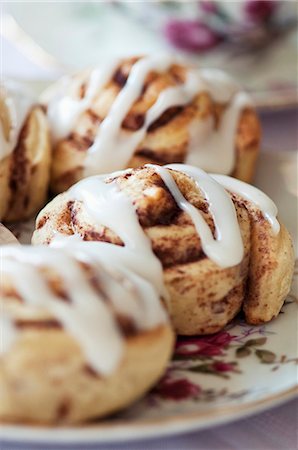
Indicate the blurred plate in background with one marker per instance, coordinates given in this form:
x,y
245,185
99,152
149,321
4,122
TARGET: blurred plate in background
x,y
76,34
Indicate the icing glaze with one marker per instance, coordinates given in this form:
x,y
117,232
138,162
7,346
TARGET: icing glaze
x,y
16,102
254,195
110,207
213,149
8,333
131,276
86,315
226,249
111,139
113,147
64,110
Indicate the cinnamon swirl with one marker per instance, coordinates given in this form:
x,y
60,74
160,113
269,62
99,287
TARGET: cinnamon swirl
x,y
210,245
150,110
79,339
24,154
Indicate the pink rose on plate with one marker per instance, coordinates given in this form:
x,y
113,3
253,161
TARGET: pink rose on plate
x,y
176,389
220,366
204,346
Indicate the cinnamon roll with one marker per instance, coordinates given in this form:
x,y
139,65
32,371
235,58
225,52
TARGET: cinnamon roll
x,y
24,154
79,339
211,245
150,110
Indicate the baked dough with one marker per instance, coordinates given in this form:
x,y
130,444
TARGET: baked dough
x,y
60,362
216,120
203,297
25,166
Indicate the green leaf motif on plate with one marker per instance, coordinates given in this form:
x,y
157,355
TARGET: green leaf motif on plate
x,y
265,356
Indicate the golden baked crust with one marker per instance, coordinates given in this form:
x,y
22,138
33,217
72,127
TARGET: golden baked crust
x,y
24,174
166,140
45,376
203,296
45,379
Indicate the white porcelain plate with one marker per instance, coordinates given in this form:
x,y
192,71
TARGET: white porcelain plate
x,y
213,379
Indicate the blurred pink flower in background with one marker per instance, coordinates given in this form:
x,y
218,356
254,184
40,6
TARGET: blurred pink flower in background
x,y
259,10
191,35
252,29
208,6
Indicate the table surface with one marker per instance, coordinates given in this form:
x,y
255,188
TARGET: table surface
x,y
271,430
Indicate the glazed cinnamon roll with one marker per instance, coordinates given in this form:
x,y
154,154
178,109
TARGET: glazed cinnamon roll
x,y
24,154
210,244
150,110
79,339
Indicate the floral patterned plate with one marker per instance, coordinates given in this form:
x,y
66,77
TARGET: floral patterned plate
x,y
213,379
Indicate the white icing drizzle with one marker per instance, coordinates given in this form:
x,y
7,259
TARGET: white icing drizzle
x,y
111,140
113,147
86,316
131,275
220,85
64,110
226,249
214,149
254,195
8,333
110,207
17,103
130,293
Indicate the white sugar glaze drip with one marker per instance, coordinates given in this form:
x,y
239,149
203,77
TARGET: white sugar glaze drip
x,y
92,326
209,148
64,110
111,140
131,294
226,250
214,149
18,103
8,332
110,207
86,317
254,195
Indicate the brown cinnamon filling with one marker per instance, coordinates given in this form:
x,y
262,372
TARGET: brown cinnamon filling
x,y
42,221
81,143
134,122
125,324
63,410
159,157
19,168
165,118
38,324
95,118
120,78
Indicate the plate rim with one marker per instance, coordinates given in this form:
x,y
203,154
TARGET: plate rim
x,y
143,429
